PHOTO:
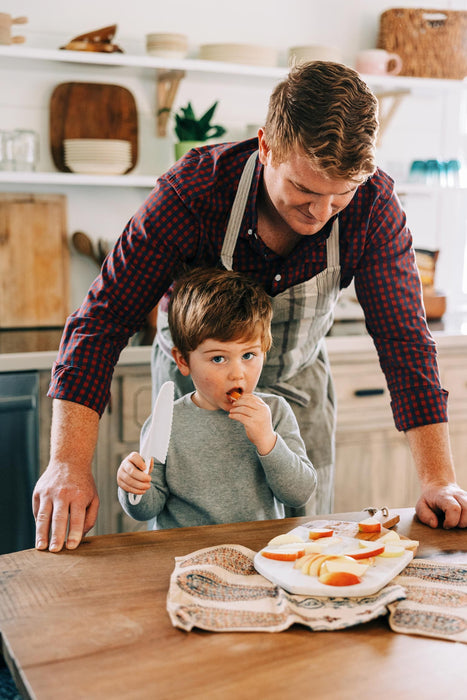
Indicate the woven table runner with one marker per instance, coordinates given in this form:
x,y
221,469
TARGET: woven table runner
x,y
218,589
435,603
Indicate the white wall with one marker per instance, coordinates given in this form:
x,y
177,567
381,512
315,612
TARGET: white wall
x,y
424,127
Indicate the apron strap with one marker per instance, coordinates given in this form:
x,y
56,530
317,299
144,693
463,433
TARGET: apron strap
x,y
332,245
237,212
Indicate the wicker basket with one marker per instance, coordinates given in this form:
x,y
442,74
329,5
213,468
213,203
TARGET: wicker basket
x,y
431,43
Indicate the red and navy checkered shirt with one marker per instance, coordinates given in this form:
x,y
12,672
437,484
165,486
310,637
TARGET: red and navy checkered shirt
x,y
183,222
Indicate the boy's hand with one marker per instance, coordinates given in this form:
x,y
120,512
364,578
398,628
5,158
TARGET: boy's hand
x,y
256,417
131,476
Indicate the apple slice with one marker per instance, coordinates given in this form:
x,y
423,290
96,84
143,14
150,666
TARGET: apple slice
x,y
288,538
315,565
390,537
365,552
369,525
343,563
286,552
319,532
339,578
317,546
392,550
301,561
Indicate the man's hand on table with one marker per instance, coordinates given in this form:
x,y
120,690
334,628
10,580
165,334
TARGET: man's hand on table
x,y
437,501
60,499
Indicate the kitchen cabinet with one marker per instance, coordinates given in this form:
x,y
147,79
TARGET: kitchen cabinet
x,y
119,433
373,461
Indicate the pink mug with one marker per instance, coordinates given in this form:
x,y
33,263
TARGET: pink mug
x,y
378,62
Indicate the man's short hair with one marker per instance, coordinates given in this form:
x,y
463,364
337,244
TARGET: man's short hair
x,y
327,111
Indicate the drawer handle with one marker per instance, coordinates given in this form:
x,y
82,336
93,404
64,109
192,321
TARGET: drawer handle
x,y
368,392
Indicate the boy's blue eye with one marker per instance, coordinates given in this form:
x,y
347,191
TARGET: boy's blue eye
x,y
248,355
217,359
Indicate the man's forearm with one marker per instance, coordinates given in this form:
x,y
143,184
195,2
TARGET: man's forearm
x,y
74,434
431,452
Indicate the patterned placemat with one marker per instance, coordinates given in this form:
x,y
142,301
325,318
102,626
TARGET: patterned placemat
x,y
436,602
218,589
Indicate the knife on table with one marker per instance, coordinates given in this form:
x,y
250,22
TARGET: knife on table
x,y
155,442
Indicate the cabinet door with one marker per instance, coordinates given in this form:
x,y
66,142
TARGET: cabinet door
x,y
119,433
374,468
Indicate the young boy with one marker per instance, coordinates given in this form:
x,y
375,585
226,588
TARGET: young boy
x,y
234,455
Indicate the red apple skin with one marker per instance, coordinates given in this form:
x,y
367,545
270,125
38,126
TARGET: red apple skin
x,y
318,534
369,526
283,556
339,578
365,553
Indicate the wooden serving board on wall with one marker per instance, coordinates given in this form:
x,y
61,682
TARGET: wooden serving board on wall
x,y
34,261
91,111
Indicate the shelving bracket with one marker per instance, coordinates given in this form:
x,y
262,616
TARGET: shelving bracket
x,y
167,86
386,115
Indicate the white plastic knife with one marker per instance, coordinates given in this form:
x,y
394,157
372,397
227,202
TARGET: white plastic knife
x,y
156,440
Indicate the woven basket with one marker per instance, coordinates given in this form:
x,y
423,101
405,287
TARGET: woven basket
x,y
431,43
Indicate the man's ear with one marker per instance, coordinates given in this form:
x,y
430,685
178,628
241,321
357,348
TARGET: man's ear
x,y
264,152
181,363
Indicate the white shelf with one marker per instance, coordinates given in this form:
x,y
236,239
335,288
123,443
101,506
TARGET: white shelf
x,y
20,52
57,178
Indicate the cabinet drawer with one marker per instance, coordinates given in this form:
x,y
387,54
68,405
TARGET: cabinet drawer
x,y
136,405
362,396
360,386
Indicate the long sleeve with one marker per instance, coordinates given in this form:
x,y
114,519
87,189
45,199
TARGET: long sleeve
x,y
289,473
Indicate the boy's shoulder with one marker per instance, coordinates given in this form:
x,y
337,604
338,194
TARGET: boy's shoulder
x,y
274,401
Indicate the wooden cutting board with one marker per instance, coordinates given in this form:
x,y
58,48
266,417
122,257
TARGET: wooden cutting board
x,y
34,261
91,110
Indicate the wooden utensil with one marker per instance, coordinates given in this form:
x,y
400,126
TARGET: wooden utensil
x,y
91,111
84,245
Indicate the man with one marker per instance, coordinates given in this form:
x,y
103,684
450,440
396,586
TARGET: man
x,y
303,210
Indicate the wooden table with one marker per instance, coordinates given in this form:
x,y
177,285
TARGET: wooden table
x,y
92,623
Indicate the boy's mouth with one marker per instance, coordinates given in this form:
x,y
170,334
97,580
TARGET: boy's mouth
x,y
235,393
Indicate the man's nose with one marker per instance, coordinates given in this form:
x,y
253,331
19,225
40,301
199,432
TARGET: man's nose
x,y
321,208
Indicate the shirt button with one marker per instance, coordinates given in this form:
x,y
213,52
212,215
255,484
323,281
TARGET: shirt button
x,y
278,278
250,231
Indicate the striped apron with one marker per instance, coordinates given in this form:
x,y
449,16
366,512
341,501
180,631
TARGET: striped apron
x,y
297,366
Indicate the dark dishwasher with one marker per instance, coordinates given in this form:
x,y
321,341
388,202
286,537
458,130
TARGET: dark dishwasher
x,y
19,458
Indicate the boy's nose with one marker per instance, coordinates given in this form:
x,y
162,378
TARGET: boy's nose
x,y
235,370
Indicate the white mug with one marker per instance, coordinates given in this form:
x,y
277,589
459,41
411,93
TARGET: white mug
x,y
378,62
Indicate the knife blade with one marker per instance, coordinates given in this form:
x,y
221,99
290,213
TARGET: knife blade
x,y
155,442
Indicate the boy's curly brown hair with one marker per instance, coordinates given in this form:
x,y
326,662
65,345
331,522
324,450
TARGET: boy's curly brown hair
x,y
220,304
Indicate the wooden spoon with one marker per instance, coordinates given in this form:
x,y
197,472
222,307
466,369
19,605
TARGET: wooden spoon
x,y
84,245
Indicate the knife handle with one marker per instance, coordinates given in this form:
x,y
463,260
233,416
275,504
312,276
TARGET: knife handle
x,y
135,498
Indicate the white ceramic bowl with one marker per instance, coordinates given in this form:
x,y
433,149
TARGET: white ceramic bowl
x,y
249,54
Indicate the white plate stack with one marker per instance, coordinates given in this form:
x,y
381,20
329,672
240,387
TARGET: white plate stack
x,y
249,54
97,156
167,45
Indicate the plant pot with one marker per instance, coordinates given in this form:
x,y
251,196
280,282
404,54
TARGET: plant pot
x,y
182,147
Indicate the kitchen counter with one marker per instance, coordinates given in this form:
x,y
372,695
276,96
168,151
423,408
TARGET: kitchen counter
x,y
27,350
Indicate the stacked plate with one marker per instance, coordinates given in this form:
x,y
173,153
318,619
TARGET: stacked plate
x,y
167,45
97,156
249,54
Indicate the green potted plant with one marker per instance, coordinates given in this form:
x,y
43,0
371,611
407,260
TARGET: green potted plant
x,y
192,131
